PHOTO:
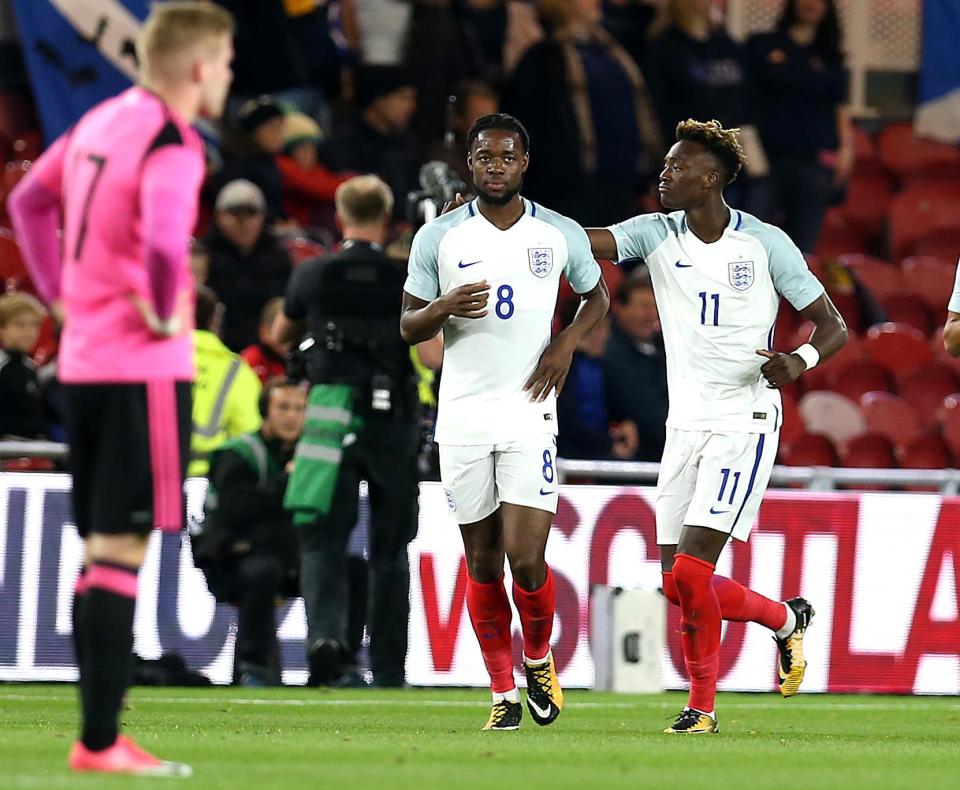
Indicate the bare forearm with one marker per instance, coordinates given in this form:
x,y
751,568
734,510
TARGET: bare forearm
x,y
592,310
951,336
422,323
830,331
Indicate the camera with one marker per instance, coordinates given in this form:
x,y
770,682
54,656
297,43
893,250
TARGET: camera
x,y
439,184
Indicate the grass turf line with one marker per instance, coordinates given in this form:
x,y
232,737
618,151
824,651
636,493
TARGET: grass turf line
x,y
429,738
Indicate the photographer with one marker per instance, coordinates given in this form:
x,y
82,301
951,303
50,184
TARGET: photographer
x,y
362,425
247,548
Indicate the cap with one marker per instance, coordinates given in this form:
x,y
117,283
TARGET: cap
x,y
256,112
298,127
240,193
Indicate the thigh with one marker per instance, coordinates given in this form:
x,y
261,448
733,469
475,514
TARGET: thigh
x,y
82,417
676,483
467,474
732,476
526,474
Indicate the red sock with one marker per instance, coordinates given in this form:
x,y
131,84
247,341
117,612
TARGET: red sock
x,y
536,610
737,603
490,615
699,628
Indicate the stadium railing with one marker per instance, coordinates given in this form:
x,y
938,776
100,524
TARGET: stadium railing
x,y
813,478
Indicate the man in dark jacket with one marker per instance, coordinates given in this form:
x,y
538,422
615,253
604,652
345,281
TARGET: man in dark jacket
x,y
247,548
248,266
636,365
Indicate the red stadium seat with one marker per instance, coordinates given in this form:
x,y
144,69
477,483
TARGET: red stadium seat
x,y
890,416
943,243
910,157
839,236
46,348
300,249
809,449
868,451
28,146
931,279
792,423
13,172
13,273
949,417
910,309
867,202
897,347
922,211
926,451
881,278
859,377
831,414
866,159
924,388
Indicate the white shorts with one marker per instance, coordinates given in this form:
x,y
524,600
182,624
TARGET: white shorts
x,y
713,480
478,477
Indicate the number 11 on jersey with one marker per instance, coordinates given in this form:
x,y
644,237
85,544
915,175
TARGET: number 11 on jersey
x,y
704,298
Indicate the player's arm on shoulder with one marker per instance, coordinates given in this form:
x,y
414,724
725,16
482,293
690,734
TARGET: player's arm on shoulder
x,y
636,237
793,279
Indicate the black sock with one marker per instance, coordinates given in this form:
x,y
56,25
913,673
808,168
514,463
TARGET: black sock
x,y
107,640
79,598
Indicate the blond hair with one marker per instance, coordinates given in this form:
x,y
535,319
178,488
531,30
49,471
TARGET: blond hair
x,y
724,144
363,200
177,27
16,304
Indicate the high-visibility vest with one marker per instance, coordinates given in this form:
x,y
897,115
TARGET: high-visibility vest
x,y
226,392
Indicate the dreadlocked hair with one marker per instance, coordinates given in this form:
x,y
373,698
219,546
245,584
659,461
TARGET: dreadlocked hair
x,y
722,143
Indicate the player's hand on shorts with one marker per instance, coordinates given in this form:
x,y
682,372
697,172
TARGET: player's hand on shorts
x,y
467,301
551,372
780,369
450,205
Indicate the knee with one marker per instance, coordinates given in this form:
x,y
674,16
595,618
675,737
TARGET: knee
x,y
529,573
690,573
484,566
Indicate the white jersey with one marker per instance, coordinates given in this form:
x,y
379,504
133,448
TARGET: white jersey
x,y
718,304
486,361
954,305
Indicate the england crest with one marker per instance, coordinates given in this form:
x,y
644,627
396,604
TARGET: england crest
x,y
541,260
740,274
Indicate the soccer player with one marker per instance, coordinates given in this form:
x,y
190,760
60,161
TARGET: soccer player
x,y
718,275
127,180
487,274
951,330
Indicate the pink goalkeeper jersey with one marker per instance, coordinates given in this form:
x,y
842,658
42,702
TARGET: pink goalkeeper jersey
x,y
127,178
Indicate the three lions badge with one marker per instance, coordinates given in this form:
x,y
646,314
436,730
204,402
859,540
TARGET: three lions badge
x,y
740,274
541,260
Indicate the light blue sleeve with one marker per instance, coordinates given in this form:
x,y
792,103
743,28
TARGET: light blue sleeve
x,y
791,277
583,271
639,236
423,280
954,306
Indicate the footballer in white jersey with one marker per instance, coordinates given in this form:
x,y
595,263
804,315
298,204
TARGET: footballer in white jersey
x,y
718,275
487,275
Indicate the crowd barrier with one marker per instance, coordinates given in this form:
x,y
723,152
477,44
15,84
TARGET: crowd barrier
x,y
880,568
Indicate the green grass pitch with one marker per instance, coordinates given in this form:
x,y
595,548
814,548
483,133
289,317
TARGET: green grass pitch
x,y
429,738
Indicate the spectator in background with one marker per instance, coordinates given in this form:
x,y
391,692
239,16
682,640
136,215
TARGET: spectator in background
x,y
251,151
635,364
697,71
798,73
380,140
471,100
496,34
247,547
225,389
248,266
308,186
585,430
21,405
585,102
629,22
266,357
199,261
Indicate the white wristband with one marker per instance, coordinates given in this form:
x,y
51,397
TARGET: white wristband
x,y
808,354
